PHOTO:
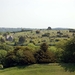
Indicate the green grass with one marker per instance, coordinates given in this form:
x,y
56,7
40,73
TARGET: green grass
x,y
38,39
40,69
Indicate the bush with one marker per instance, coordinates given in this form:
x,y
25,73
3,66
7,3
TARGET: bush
x,y
6,47
61,44
19,56
21,39
10,60
24,55
58,55
3,54
2,40
31,46
45,57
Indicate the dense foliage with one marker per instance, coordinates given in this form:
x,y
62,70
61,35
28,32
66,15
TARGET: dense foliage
x,y
64,51
69,52
44,56
25,56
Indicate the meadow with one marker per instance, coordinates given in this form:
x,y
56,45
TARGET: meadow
x,y
38,36
41,69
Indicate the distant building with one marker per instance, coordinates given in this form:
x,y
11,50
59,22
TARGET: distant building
x,y
9,38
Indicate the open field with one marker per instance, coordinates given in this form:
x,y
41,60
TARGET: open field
x,y
41,69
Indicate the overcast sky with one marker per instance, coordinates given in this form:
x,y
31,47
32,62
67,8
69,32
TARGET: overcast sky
x,y
37,13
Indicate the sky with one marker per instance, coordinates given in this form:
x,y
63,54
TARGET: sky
x,y
37,13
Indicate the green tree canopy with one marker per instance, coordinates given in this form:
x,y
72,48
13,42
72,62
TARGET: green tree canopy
x,y
69,52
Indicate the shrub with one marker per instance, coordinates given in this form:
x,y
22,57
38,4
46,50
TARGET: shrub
x,y
45,57
10,60
2,40
58,55
3,54
25,57
6,47
61,44
37,32
19,56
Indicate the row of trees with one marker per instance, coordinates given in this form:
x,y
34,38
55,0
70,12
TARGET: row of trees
x,y
24,55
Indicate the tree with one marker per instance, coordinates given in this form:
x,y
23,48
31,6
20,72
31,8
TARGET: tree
x,y
69,52
3,54
38,31
49,28
2,40
6,33
44,47
43,55
25,56
19,56
10,60
21,39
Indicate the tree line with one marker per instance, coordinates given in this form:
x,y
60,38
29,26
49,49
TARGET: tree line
x,y
20,55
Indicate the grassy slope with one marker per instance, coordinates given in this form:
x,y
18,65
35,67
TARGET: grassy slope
x,y
36,69
36,38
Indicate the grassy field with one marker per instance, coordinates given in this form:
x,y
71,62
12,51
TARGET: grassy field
x,y
49,36
37,39
41,69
